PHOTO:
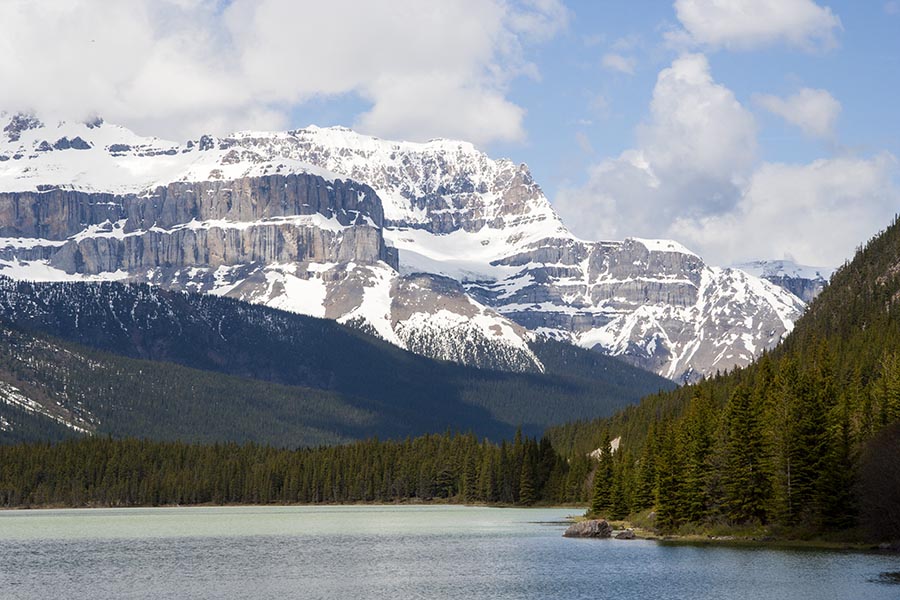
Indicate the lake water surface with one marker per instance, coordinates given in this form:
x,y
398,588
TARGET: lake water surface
x,y
376,552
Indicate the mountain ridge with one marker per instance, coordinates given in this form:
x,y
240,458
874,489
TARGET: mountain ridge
x,y
443,209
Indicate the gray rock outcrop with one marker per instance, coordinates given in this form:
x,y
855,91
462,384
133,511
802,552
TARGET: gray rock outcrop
x,y
593,528
202,224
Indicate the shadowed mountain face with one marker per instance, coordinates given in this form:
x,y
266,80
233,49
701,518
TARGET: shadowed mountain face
x,y
433,247
105,358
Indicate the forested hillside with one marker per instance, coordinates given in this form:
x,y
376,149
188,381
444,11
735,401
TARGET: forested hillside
x,y
787,441
139,361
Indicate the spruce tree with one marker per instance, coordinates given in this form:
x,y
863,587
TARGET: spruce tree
x,y
527,493
745,481
620,491
668,481
601,497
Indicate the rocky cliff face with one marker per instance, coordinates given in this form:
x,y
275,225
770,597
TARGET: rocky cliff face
x,y
274,219
654,303
435,247
451,210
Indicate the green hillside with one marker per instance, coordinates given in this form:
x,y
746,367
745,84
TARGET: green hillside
x,y
789,441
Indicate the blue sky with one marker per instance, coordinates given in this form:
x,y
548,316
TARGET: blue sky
x,y
579,112
742,128
576,96
862,73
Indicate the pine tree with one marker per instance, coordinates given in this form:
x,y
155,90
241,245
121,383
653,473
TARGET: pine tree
x,y
809,432
601,498
780,441
838,479
668,481
644,495
620,491
527,494
888,389
487,486
695,441
469,490
745,480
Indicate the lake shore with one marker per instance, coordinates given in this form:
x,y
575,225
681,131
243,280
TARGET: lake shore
x,y
753,536
762,539
406,502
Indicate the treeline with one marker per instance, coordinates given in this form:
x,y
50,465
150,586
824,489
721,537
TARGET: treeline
x,y
799,439
130,472
782,447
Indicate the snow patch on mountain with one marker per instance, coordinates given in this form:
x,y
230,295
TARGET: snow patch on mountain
x,y
785,268
41,270
803,281
13,396
112,159
467,262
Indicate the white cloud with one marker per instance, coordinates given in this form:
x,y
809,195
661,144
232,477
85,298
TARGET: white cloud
x,y
182,66
814,111
748,24
407,106
818,213
618,62
692,151
694,176
696,124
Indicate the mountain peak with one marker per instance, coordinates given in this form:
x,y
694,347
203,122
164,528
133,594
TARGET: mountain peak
x,y
803,281
654,245
349,228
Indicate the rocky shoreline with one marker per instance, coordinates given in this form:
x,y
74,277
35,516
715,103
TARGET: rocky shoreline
x,y
598,528
603,529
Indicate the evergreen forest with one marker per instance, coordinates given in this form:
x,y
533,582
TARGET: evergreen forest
x,y
807,439
101,471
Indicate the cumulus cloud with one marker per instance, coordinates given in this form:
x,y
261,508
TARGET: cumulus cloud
x,y
697,126
815,112
182,66
817,213
691,153
618,62
694,176
749,24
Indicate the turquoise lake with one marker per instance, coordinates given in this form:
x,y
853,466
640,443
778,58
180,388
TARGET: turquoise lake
x,y
379,552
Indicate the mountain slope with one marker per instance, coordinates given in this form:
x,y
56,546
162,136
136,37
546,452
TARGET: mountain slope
x,y
804,282
780,441
286,365
433,247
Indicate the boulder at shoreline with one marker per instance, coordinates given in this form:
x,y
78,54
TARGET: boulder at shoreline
x,y
594,528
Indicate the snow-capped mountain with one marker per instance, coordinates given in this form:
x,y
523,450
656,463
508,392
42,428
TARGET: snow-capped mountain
x,y
433,246
802,281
